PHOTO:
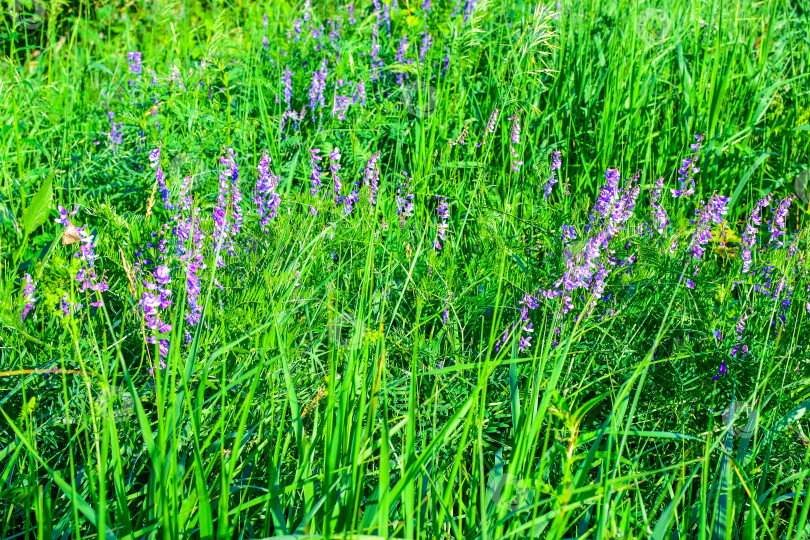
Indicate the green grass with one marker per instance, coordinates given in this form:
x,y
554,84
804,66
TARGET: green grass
x,y
322,393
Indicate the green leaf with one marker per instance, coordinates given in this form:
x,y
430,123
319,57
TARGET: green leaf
x,y
37,212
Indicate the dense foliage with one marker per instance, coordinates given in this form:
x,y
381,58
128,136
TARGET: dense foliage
x,y
404,269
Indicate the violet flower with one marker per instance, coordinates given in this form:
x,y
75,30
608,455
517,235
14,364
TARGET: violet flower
x,y
28,295
134,60
749,235
441,230
350,9
265,197
371,177
286,81
402,50
687,171
404,201
711,212
552,177
317,88
427,43
160,178
157,298
359,94
334,168
777,226
315,177
660,218
489,128
222,225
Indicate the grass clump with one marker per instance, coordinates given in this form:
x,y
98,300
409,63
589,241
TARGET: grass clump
x,y
404,270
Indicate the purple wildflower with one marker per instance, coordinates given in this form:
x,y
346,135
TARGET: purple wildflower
x,y
404,202
687,171
340,102
427,43
317,88
444,213
315,178
222,225
115,136
334,168
660,217
402,50
64,215
156,298
490,127
134,60
711,212
160,178
371,176
749,235
265,197
28,295
350,9
462,137
236,196
286,81
359,94
777,225
552,177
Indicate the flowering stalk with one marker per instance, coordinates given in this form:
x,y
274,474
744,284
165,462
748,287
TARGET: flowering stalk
x,y
402,50
515,139
711,212
160,178
749,235
444,213
777,225
489,128
660,218
115,136
156,298
687,171
191,238
371,177
286,82
427,42
462,137
404,202
265,197
334,168
28,295
315,177
359,94
552,177
317,88
222,225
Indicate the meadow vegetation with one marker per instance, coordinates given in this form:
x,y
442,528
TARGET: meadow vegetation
x,y
404,268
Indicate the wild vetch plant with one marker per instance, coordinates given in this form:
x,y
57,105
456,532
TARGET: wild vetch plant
x,y
521,315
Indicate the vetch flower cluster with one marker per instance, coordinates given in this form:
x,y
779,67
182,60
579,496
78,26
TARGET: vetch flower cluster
x,y
552,177
157,298
371,177
749,235
687,171
160,178
660,218
28,295
265,196
441,230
